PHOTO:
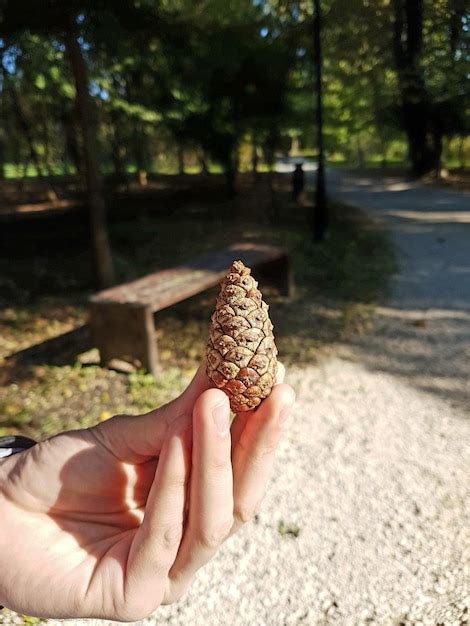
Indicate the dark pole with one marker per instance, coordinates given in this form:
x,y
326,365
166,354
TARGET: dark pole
x,y
320,213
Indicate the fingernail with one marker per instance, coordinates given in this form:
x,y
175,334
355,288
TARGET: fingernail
x,y
221,415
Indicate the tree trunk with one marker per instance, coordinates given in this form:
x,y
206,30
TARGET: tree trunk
x,y
18,161
3,135
2,156
461,157
320,214
203,163
117,149
46,141
140,155
374,82
134,85
180,156
25,129
415,101
72,150
360,153
254,161
99,232
383,147
118,161
230,176
437,137
48,153
269,154
456,9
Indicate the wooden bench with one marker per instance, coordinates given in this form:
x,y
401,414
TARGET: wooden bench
x,y
121,318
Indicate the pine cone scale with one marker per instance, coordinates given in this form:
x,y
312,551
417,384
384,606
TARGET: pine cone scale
x,y
241,353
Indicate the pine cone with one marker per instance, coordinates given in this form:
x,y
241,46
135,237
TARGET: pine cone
x,y
241,353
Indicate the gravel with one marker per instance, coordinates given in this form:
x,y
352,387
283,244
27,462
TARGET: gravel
x,y
374,475
373,470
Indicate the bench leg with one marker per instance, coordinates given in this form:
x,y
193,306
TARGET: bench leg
x,y
126,333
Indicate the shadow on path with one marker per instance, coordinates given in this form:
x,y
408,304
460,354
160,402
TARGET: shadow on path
x,y
423,332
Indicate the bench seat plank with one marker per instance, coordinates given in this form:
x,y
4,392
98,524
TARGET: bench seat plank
x,y
166,287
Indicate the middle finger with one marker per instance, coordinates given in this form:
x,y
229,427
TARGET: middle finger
x,y
211,493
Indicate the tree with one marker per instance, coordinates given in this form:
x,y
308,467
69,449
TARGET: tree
x,y
96,203
320,217
416,107
63,20
209,76
229,79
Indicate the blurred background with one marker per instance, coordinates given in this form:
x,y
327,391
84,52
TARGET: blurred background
x,y
136,135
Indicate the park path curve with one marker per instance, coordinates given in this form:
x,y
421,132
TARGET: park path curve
x,y
372,473
422,334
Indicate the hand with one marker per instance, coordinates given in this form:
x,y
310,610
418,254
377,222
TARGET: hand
x,y
114,520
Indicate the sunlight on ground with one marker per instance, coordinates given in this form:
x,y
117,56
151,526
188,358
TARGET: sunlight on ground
x,y
401,186
417,314
286,166
459,217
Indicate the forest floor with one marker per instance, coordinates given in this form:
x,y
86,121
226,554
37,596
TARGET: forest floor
x,y
48,385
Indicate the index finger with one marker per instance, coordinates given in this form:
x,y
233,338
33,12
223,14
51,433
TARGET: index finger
x,y
211,492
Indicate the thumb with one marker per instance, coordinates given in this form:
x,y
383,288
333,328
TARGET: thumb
x,y
136,439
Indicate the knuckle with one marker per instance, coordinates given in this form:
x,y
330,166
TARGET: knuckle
x,y
218,465
171,536
211,538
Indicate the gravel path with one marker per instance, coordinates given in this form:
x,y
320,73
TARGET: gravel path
x,y
372,474
422,336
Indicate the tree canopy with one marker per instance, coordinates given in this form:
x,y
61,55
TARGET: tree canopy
x,y
207,76
102,88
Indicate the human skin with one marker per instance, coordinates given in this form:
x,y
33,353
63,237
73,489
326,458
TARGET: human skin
x,y
113,521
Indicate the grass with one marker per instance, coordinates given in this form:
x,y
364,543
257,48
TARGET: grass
x,y
288,530
14,171
47,279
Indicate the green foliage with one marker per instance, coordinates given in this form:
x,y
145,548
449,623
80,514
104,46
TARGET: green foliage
x,y
210,77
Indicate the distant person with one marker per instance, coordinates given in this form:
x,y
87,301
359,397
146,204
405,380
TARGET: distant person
x,y
114,520
298,181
